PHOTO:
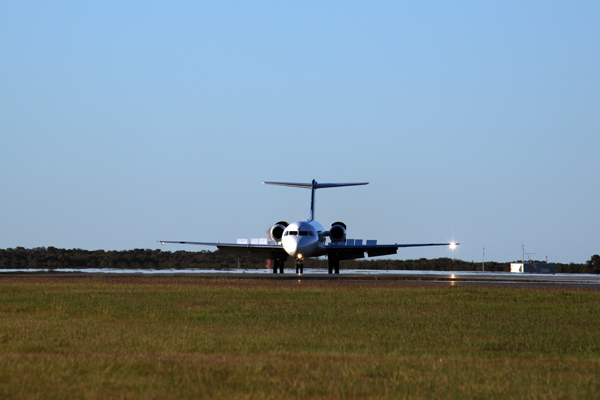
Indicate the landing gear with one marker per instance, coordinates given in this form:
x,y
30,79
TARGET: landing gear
x,y
277,263
334,263
299,266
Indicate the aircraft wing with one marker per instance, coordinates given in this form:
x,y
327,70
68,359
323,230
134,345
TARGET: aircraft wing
x,y
347,251
267,251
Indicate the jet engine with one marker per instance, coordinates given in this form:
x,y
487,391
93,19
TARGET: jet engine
x,y
337,233
276,232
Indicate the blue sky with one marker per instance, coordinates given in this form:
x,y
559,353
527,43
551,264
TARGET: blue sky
x,y
123,123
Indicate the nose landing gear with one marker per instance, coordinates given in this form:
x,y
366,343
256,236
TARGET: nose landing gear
x,y
299,266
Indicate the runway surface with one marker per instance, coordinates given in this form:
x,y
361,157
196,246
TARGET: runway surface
x,y
461,278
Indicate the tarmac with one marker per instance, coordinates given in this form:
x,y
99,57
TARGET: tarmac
x,y
505,279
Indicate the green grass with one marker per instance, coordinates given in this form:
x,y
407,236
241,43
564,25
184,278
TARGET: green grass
x,y
165,337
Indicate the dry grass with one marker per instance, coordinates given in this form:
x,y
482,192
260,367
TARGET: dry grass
x,y
165,337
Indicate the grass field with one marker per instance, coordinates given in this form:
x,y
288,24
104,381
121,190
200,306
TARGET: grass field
x,y
165,337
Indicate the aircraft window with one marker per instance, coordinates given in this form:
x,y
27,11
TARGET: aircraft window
x,y
311,233
294,233
303,233
285,234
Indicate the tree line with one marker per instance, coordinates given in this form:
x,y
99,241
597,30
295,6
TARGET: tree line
x,y
53,258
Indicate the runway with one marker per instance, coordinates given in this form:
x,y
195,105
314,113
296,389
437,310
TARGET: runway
x,y
462,278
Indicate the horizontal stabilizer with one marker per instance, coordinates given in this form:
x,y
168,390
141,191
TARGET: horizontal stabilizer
x,y
315,184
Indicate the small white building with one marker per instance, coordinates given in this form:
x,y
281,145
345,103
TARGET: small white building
x,y
533,268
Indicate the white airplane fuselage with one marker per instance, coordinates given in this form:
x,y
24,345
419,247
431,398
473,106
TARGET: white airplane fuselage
x,y
304,239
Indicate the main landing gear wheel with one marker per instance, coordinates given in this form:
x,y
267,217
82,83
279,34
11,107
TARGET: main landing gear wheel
x,y
333,263
278,264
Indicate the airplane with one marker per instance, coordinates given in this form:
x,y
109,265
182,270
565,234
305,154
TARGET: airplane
x,y
308,238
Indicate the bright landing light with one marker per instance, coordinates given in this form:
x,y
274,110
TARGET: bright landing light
x,y
452,245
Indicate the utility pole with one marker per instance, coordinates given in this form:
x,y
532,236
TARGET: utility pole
x,y
483,261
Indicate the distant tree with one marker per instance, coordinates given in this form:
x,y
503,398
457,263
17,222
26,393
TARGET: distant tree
x,y
593,264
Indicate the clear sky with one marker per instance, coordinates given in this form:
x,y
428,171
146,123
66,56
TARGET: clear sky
x,y
126,122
